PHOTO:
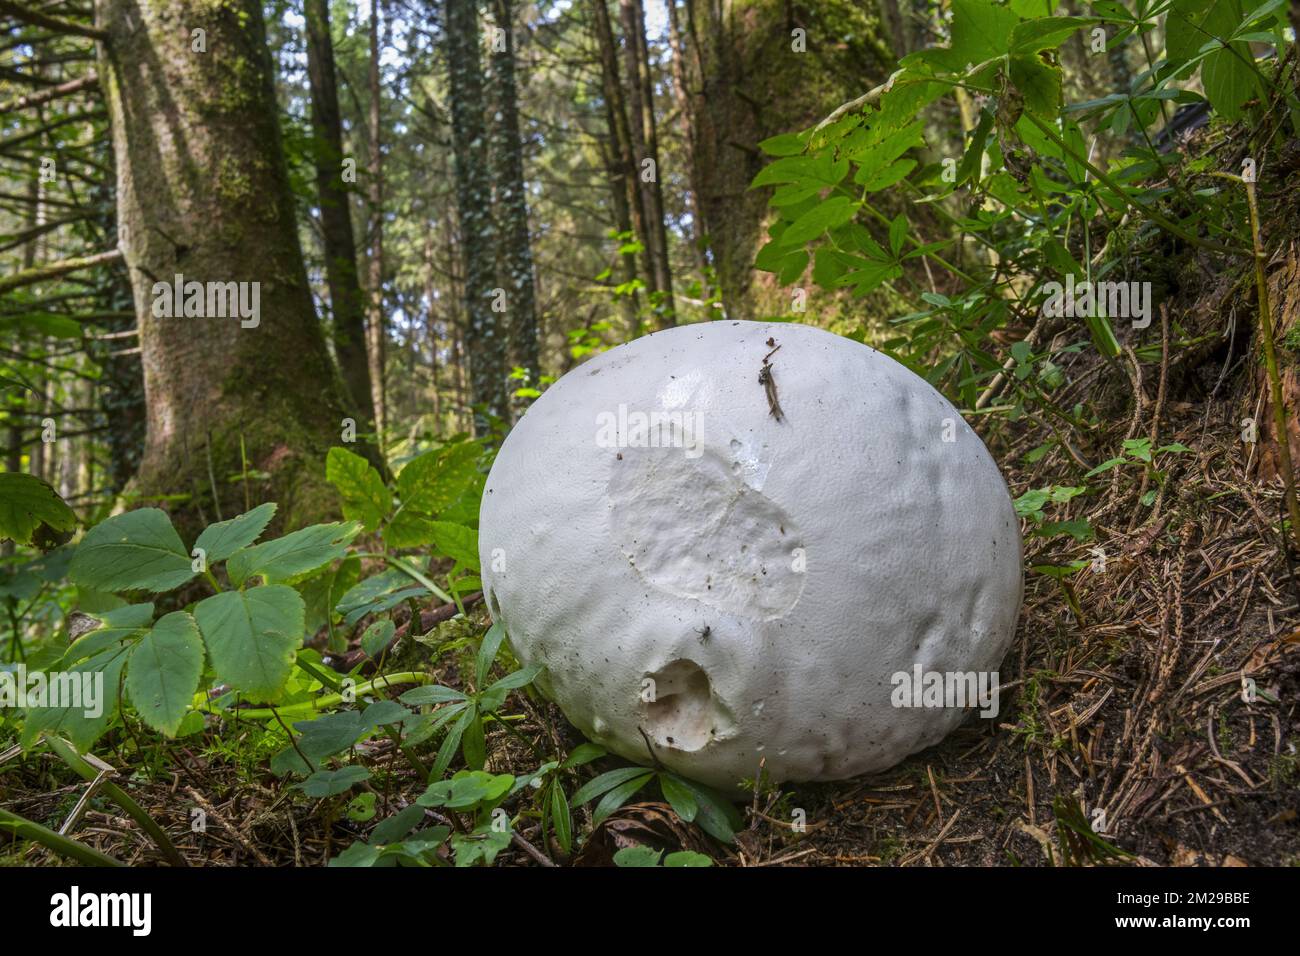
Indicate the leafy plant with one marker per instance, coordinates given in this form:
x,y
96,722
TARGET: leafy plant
x,y
691,801
645,856
471,708
247,634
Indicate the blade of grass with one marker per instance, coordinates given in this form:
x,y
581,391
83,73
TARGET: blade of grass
x,y
64,846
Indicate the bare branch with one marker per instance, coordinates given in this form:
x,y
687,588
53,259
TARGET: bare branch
x,y
53,93
57,24
55,269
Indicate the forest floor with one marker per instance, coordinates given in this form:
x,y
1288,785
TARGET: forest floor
x,y
1124,734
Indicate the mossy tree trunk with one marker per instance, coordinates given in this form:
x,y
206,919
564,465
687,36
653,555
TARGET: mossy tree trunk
x,y
346,301
486,338
516,257
203,192
751,76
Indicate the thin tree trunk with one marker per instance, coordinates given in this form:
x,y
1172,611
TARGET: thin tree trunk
x,y
620,130
645,140
512,202
685,106
346,300
431,324
486,338
376,334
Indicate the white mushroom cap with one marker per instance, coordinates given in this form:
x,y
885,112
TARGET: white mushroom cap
x,y
768,576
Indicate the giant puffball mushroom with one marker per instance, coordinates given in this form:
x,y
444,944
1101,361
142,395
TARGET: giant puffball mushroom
x,y
725,541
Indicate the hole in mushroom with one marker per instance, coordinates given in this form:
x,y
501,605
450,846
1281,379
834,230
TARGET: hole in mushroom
x,y
682,715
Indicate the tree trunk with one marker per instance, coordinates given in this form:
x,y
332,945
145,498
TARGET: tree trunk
x,y
203,192
645,140
685,108
376,333
511,200
486,338
620,131
431,325
346,301
750,79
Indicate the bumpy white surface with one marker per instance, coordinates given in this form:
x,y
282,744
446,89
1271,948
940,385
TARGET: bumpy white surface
x,y
769,580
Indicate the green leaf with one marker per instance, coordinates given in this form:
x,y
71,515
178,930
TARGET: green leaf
x,y
455,541
1045,33
802,169
365,496
1105,466
981,30
427,486
219,541
519,678
376,594
829,214
136,550
1103,335
482,845
786,144
467,790
1139,448
331,733
687,858
897,234
1229,80
26,503
468,713
1191,22
1040,8
329,783
473,744
717,816
357,855
1079,529
583,754
487,653
81,723
679,796
1039,83
561,818
293,555
398,825
164,671
376,638
618,796
252,635
382,713
888,176
637,856
116,625
605,782
362,807
430,694
792,267
969,167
